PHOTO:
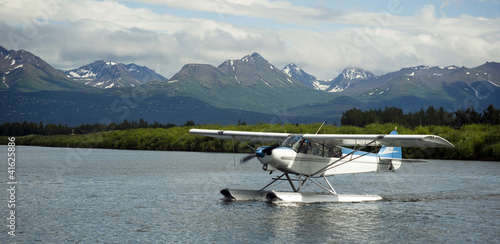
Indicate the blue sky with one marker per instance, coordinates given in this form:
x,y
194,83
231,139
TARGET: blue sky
x,y
322,37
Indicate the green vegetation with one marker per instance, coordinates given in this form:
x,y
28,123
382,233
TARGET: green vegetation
x,y
472,142
431,116
476,136
25,128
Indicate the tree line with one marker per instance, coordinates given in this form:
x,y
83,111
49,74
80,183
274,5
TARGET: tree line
x,y
472,142
354,117
431,116
31,128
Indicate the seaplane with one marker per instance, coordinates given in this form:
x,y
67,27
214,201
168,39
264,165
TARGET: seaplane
x,y
312,158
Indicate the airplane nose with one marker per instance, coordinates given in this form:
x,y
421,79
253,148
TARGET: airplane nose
x,y
265,154
260,151
265,150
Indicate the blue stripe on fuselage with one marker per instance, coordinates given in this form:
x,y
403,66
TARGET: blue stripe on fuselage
x,y
357,153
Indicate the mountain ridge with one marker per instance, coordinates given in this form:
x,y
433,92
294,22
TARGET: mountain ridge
x,y
299,74
350,79
107,74
251,84
24,72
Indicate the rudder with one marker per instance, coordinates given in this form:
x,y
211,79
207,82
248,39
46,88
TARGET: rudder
x,y
391,155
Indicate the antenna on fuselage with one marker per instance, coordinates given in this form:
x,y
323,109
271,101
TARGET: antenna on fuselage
x,y
321,126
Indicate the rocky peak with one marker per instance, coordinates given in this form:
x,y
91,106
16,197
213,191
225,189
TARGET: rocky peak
x,y
352,73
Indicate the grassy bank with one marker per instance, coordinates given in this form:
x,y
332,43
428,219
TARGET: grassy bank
x,y
472,142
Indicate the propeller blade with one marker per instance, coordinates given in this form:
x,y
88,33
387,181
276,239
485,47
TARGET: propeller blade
x,y
247,158
260,153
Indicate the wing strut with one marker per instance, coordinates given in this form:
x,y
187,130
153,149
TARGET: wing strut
x,y
246,144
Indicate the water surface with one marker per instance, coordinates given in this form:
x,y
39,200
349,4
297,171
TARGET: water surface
x,y
121,196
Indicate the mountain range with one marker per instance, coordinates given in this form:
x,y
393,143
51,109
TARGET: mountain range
x,y
24,72
102,74
249,89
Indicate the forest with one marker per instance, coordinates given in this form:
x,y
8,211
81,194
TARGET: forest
x,y
477,137
431,116
353,117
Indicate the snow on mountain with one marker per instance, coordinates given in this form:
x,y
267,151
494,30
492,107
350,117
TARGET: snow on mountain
x,y
426,71
254,69
297,73
105,74
356,74
350,78
23,71
12,60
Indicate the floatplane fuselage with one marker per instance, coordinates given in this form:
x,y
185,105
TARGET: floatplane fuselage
x,y
311,157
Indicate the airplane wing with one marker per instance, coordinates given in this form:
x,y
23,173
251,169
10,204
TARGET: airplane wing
x,y
241,135
378,140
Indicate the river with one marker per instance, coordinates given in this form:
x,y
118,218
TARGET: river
x,y
66,195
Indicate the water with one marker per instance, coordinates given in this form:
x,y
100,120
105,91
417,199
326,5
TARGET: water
x,y
119,196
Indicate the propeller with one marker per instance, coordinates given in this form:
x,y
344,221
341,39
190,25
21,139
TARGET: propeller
x,y
248,158
260,152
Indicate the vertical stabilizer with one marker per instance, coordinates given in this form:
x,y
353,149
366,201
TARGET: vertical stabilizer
x,y
390,156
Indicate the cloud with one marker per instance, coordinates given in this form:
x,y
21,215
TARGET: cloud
x,y
280,11
321,40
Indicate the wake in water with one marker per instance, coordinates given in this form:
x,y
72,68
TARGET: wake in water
x,y
442,196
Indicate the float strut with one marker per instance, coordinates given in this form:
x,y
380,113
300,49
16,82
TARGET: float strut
x,y
274,180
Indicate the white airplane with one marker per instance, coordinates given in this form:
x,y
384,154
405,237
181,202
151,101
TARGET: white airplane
x,y
309,157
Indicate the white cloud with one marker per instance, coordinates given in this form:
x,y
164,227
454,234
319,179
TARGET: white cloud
x,y
323,41
281,11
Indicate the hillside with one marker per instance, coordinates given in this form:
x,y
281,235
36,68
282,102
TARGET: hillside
x,y
353,81
22,71
450,86
310,81
103,74
250,83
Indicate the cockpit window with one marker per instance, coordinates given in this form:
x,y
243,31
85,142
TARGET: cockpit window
x,y
300,145
333,151
309,147
293,142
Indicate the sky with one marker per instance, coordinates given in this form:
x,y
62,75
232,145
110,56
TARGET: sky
x,y
322,37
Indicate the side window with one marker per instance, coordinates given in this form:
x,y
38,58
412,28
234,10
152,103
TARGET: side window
x,y
317,149
305,146
333,151
312,148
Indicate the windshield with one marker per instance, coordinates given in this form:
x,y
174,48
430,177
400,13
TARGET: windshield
x,y
292,142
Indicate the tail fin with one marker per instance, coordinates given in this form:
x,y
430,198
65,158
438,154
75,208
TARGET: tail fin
x,y
391,155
